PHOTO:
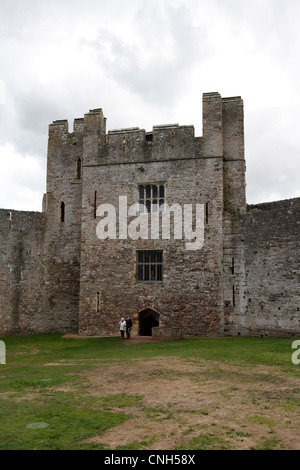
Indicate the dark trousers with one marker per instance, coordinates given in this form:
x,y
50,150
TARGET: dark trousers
x,y
122,333
128,332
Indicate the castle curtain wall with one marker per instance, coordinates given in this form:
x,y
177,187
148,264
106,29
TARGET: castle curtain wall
x,y
23,305
272,259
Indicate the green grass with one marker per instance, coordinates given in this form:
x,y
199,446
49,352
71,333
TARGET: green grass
x,y
207,442
49,348
34,389
68,425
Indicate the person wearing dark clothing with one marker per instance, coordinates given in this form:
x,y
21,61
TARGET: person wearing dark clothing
x,y
128,327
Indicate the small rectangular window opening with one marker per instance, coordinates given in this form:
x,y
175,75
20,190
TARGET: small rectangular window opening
x,y
149,266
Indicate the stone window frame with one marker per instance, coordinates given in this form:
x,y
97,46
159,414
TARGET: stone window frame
x,y
152,195
149,266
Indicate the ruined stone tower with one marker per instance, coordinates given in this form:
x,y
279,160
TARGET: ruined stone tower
x,y
58,274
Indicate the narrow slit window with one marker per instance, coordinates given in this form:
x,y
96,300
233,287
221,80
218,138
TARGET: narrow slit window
x,y
206,212
95,204
62,212
79,168
9,217
98,303
172,139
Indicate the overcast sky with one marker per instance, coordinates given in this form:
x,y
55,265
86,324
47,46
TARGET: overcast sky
x,y
148,62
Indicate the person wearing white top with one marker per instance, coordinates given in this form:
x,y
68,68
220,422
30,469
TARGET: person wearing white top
x,y
122,326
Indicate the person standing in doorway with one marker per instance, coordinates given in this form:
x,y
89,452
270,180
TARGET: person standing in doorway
x,y
128,327
122,326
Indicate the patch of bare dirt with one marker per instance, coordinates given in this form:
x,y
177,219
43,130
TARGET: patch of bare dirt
x,y
185,402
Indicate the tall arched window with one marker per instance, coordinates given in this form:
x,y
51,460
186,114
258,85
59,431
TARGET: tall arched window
x,y
62,212
79,168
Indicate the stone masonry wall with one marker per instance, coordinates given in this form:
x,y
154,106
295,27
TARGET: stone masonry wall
x,y
191,293
63,223
22,273
234,205
271,298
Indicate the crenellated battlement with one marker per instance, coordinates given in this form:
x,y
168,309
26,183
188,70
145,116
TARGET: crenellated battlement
x,y
163,142
78,126
60,128
223,138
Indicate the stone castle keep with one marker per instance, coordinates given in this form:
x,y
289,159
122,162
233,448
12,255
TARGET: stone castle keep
x,y
57,275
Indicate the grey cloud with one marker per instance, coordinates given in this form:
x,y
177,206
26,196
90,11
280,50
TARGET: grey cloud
x,y
25,120
272,155
270,25
18,19
145,62
157,65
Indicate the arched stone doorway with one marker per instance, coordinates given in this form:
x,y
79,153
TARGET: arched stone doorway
x,y
148,318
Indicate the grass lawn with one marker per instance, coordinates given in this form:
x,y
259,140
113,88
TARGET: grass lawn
x,y
107,393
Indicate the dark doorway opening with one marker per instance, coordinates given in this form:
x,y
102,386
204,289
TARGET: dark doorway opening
x,y
148,318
